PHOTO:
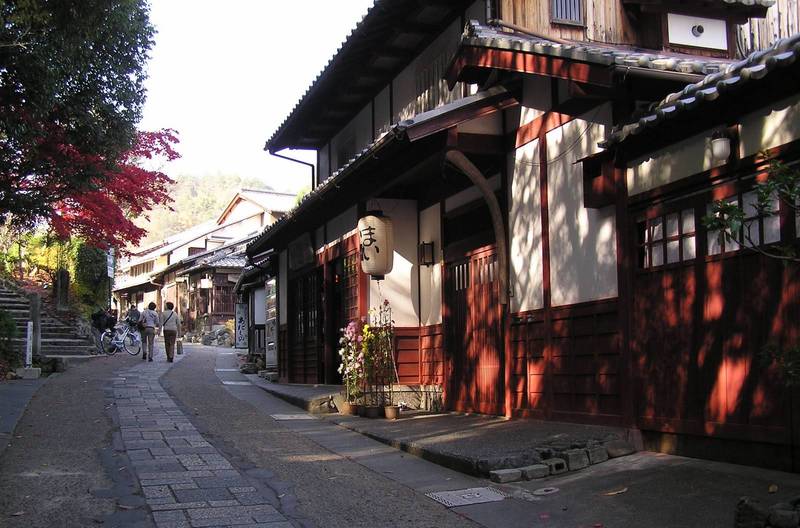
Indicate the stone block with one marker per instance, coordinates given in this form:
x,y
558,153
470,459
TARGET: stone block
x,y
29,373
505,475
783,516
535,471
597,454
556,465
750,513
618,448
575,459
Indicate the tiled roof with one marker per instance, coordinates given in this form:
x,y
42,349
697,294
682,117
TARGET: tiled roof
x,y
479,35
753,69
397,131
763,3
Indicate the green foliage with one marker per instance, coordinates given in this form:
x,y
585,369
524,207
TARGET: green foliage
x,y
196,199
90,276
71,90
8,331
783,183
301,194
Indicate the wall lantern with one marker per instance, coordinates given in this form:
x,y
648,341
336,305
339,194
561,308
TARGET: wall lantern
x,y
376,237
425,254
205,283
720,146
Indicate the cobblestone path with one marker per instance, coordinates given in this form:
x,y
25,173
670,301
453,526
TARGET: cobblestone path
x,y
185,480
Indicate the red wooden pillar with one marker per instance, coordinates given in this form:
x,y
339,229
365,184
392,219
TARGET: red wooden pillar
x,y
549,394
625,260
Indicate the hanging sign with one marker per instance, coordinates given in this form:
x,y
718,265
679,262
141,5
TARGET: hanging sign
x,y
377,244
241,325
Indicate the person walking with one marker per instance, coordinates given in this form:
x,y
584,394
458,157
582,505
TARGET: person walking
x,y
171,326
150,321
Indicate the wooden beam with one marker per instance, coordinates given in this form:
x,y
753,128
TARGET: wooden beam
x,y
471,57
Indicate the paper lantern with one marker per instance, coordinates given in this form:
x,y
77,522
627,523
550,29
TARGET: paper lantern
x,y
377,244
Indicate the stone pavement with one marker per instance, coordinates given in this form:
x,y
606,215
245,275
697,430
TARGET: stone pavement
x,y
186,482
14,398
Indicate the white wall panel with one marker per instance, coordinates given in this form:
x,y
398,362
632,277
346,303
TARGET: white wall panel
x,y
430,277
525,227
400,286
583,263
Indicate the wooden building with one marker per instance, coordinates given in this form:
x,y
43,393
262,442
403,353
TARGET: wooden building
x,y
476,127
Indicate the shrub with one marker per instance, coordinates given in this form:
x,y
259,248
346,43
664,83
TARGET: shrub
x,y
8,331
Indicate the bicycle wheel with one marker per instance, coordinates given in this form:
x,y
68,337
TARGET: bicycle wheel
x,y
130,345
106,340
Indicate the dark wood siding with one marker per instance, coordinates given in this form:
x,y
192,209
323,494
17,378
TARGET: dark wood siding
x,y
570,369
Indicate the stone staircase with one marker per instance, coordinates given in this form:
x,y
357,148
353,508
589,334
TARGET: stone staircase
x,y
58,337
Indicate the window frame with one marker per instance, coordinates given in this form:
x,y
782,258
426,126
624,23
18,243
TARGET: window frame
x,y
645,245
581,4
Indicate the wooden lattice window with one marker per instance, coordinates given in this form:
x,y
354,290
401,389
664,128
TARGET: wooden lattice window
x,y
567,12
224,299
347,277
666,239
758,228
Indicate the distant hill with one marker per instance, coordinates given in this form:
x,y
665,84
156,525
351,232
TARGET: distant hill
x,y
196,200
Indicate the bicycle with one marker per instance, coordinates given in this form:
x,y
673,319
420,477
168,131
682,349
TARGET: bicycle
x,y
123,337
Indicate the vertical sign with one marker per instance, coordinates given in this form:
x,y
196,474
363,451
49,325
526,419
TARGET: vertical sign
x,y
271,327
242,326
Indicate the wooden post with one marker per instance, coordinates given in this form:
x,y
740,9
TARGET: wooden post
x,y
36,319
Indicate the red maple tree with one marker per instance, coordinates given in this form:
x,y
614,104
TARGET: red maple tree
x,y
103,213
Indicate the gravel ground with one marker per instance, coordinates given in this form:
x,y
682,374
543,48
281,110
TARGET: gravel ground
x,y
53,474
330,490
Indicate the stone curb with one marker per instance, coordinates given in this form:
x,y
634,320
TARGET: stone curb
x,y
469,466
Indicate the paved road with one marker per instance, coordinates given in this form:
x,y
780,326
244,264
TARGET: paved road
x,y
121,443
320,471
59,469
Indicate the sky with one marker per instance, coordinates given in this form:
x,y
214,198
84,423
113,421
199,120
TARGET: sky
x,y
226,74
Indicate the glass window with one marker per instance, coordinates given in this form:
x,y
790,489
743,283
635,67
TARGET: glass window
x,y
757,227
666,239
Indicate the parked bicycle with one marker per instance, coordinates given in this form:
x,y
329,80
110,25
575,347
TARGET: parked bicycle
x,y
122,337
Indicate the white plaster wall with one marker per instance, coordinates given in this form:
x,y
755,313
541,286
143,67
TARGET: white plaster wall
x,y
283,286
772,126
678,161
525,229
583,264
242,209
259,306
340,225
430,277
400,286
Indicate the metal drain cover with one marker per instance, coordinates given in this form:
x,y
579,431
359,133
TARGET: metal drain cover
x,y
236,383
465,497
281,417
545,491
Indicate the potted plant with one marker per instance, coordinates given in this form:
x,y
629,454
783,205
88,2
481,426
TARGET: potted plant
x,y
352,366
380,373
385,346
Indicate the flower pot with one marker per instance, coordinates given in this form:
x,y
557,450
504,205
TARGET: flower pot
x,y
361,410
355,409
373,411
392,412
